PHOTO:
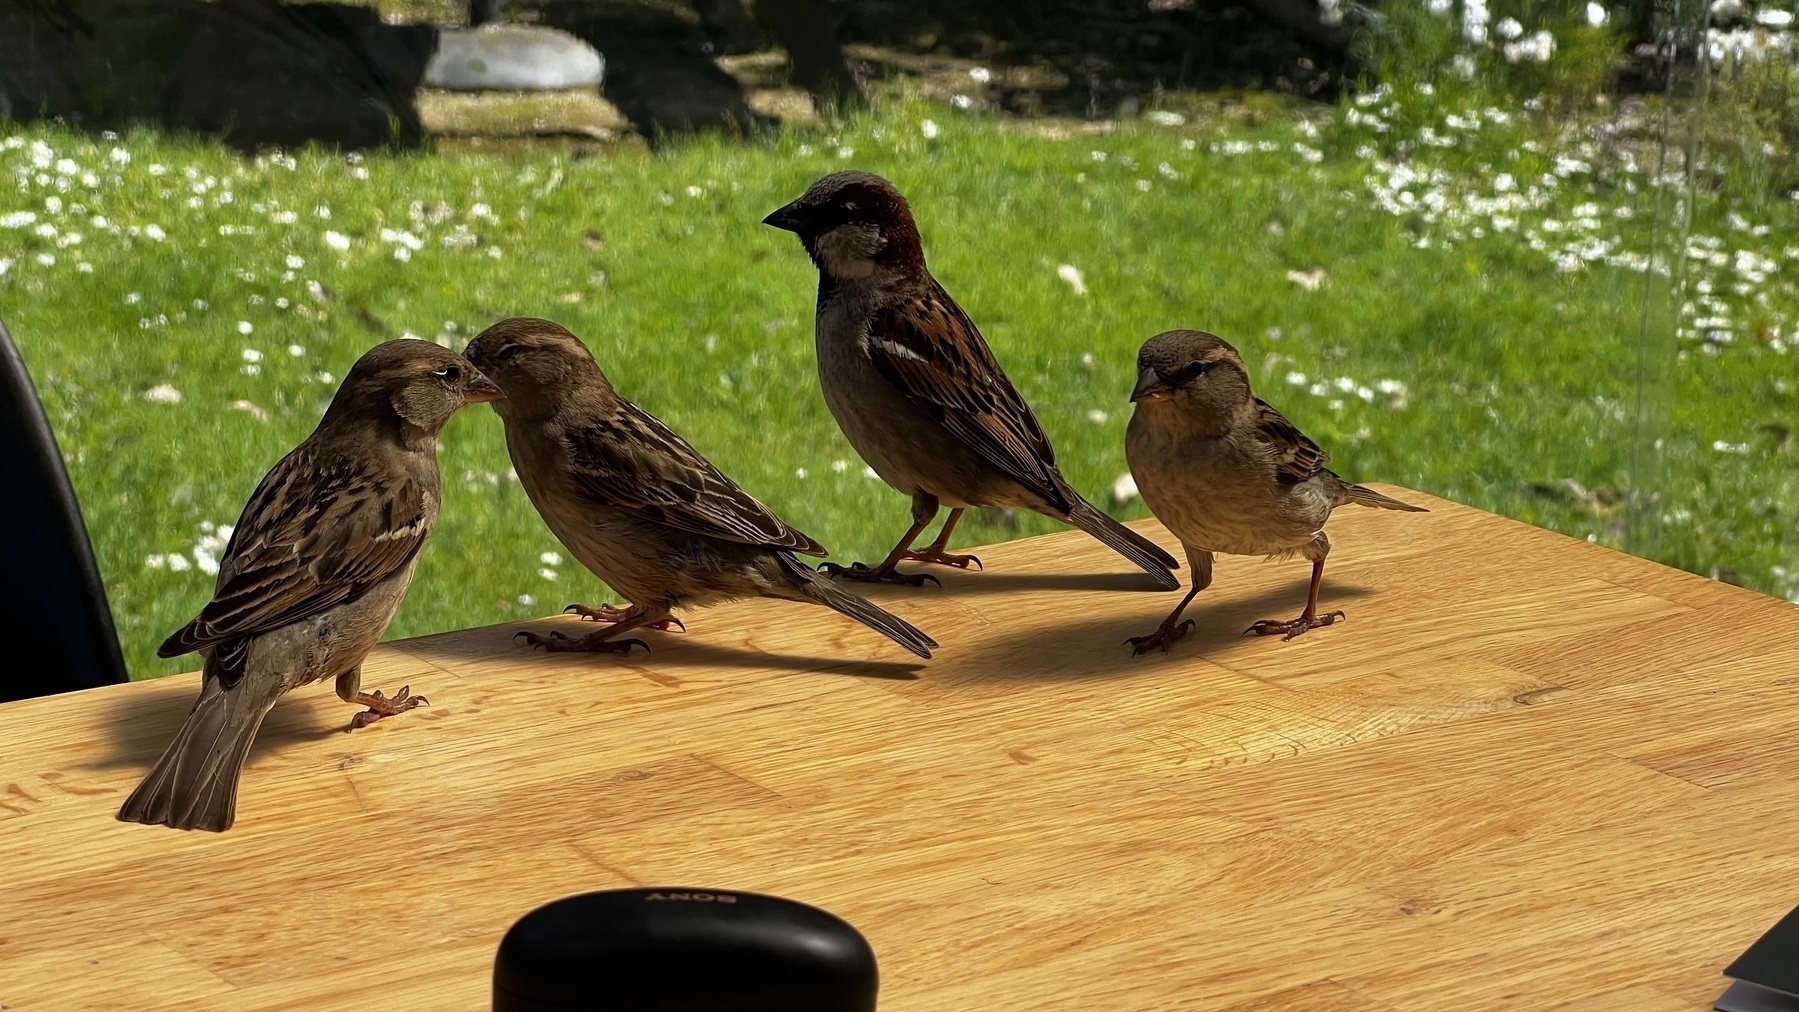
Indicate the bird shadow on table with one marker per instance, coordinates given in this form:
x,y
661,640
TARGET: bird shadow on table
x,y
141,725
1088,648
979,582
675,650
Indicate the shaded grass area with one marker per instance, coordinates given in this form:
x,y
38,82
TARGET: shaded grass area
x,y
1473,367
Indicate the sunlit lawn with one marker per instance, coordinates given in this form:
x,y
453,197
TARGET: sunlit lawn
x,y
1474,367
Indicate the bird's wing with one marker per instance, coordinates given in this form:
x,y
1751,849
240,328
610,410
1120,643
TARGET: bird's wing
x,y
931,352
1296,457
318,532
630,460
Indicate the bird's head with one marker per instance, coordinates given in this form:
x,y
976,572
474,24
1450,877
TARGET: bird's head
x,y
856,226
1191,372
416,382
535,363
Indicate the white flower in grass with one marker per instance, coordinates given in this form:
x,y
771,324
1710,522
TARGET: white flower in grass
x,y
1073,276
1508,29
929,129
1311,280
1597,15
1536,48
179,564
548,573
550,559
526,600
245,327
337,240
155,232
162,393
1124,488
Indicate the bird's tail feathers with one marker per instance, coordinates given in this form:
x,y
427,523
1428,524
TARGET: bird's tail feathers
x,y
1362,495
835,597
194,784
1121,539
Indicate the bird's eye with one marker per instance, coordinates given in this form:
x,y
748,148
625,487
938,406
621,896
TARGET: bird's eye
x,y
450,374
507,351
1194,369
850,205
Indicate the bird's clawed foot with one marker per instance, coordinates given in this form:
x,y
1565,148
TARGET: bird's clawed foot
x,y
1289,629
1166,635
940,557
861,572
598,642
613,613
380,706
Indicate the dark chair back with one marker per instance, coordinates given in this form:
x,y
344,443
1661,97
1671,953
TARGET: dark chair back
x,y
56,631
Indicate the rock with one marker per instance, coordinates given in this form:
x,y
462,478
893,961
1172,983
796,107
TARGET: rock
x,y
512,58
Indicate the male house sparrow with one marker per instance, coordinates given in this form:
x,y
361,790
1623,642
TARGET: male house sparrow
x,y
1226,473
916,389
636,504
316,568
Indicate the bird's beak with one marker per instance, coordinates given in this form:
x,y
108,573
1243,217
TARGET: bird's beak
x,y
1150,387
786,218
480,390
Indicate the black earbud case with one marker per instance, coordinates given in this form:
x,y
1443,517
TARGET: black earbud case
x,y
682,950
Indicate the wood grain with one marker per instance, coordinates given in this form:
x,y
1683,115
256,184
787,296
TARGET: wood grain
x,y
1526,773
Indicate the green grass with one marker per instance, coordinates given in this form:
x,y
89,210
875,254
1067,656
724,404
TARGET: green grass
x,y
1518,377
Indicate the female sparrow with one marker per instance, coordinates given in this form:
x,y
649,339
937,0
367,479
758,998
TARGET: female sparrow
x,y
316,568
636,504
1226,473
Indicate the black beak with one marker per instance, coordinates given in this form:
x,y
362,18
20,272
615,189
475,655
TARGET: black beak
x,y
480,390
1150,386
785,218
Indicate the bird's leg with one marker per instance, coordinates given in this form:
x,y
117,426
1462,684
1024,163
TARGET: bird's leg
x,y
349,689
613,613
1168,633
924,507
937,551
1308,619
602,641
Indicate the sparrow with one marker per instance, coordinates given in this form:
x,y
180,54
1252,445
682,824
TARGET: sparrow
x,y
915,388
638,505
316,567
1225,472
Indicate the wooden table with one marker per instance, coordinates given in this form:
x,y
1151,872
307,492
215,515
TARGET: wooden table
x,y
1527,773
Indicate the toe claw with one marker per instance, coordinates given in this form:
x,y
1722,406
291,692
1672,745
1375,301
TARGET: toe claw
x,y
927,576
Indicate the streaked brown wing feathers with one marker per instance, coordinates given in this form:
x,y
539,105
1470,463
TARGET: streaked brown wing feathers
x,y
930,350
1296,457
632,461
316,534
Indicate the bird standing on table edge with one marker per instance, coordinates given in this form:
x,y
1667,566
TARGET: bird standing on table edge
x,y
317,565
915,388
1225,472
638,505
